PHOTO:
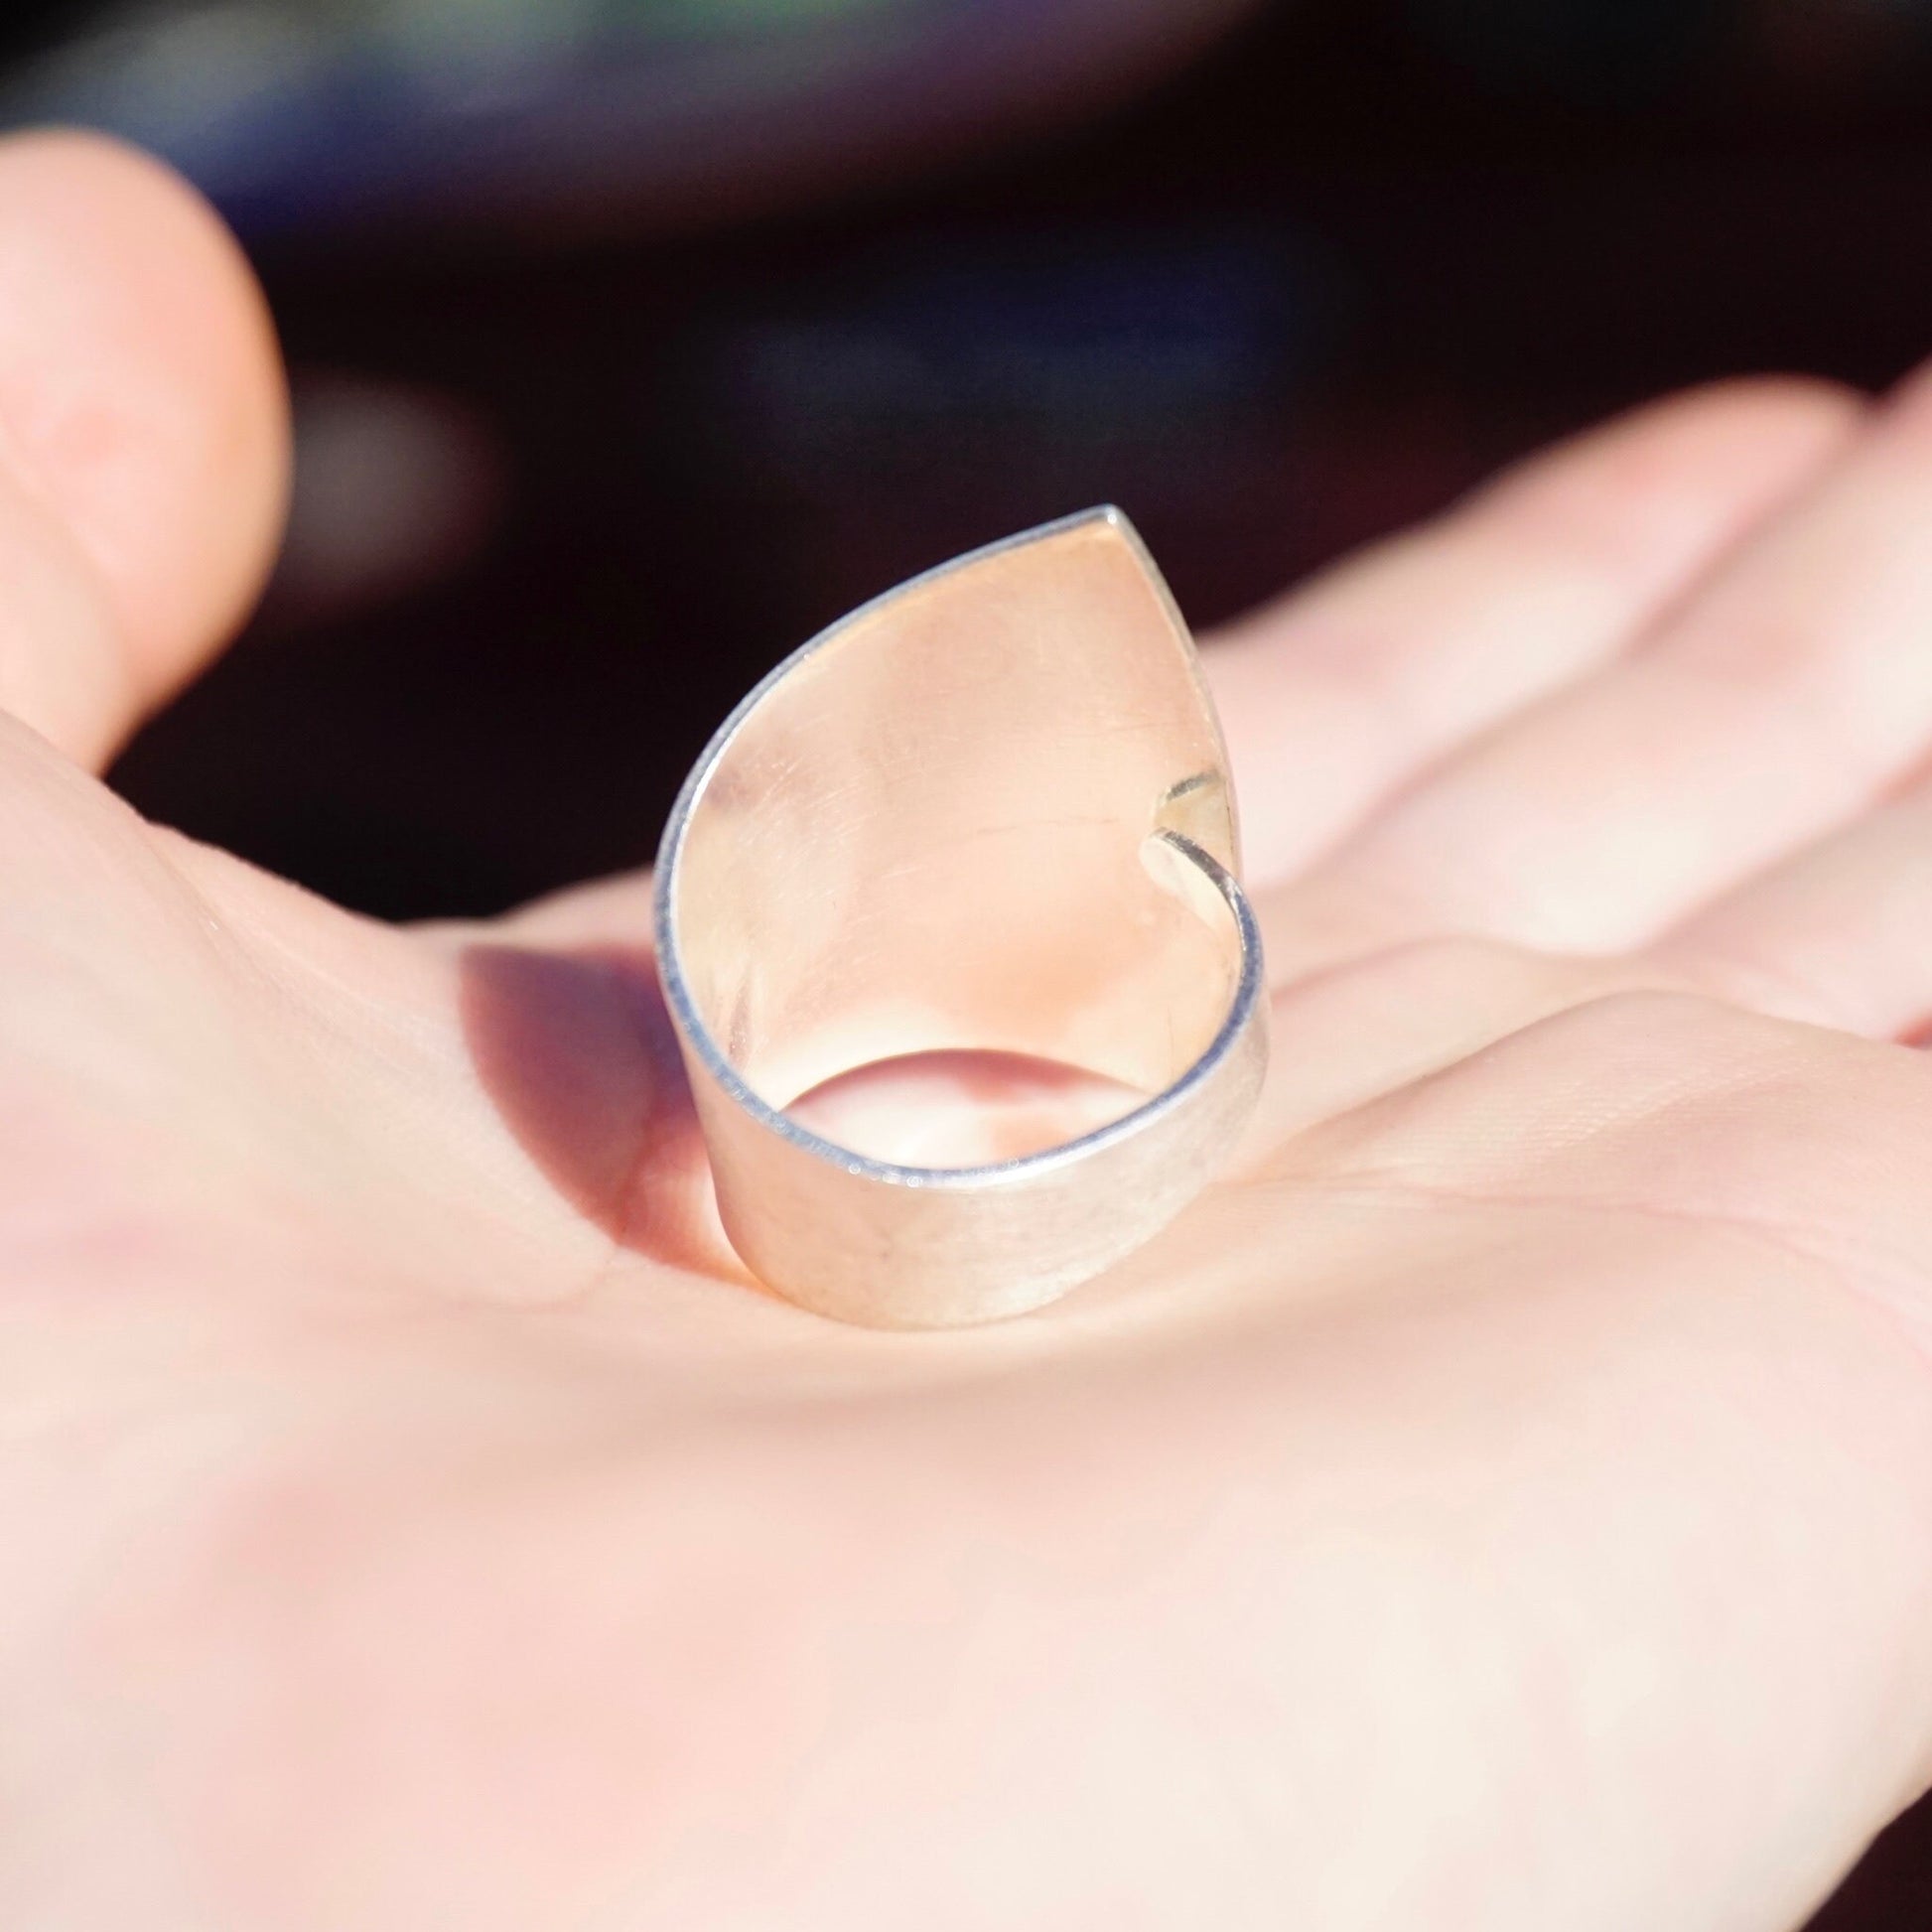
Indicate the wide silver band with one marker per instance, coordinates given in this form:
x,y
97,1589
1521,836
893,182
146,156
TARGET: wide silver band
x,y
984,823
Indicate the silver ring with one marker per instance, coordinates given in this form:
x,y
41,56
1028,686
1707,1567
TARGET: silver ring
x,y
979,834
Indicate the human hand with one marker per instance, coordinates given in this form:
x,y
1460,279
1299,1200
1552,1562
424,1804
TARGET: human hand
x,y
1503,1502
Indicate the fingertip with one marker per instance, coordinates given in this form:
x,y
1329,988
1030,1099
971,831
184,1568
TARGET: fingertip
x,y
1670,485
141,391
1722,441
1777,393
1783,419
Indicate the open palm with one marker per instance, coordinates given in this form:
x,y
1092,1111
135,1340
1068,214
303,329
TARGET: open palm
x,y
1504,1502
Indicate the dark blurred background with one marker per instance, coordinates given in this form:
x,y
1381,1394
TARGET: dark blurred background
x,y
634,340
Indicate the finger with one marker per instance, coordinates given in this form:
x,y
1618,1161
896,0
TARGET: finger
x,y
1840,935
1336,696
1394,1021
613,910
143,442
1783,699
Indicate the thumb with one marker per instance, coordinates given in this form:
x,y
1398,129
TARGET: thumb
x,y
143,437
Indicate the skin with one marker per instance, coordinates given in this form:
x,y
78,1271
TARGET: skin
x,y
1504,1502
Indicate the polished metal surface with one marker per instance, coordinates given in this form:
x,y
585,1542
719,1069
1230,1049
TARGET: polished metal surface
x,y
976,840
